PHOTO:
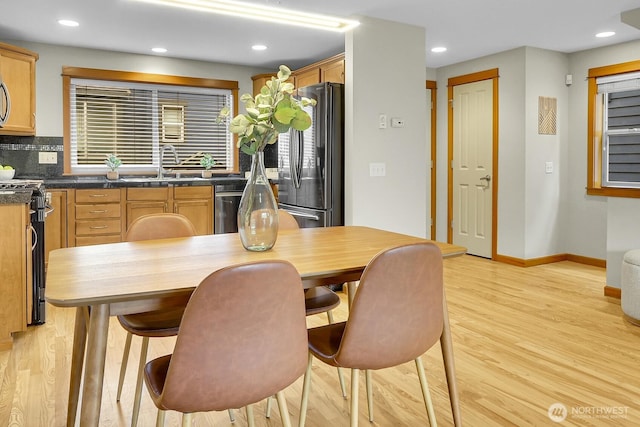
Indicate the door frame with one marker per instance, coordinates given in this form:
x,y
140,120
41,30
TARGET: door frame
x,y
492,74
431,85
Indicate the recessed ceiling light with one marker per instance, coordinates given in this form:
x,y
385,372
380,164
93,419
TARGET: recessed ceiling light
x,y
159,50
439,49
605,34
68,22
264,13
259,47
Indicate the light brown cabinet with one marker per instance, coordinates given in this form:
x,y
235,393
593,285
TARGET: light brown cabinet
x,y
18,73
332,71
327,70
97,216
194,202
15,270
55,224
307,78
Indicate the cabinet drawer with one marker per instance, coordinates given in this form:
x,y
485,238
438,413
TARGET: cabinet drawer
x,y
195,192
96,240
106,210
90,228
148,193
98,195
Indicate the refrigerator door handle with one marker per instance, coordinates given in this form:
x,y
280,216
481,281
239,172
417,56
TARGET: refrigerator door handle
x,y
303,215
296,146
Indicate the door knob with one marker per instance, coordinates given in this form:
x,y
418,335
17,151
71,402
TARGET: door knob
x,y
486,178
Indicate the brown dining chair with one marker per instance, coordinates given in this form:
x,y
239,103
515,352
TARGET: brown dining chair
x,y
317,299
231,352
161,323
395,317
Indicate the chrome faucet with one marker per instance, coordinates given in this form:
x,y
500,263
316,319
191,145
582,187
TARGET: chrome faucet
x,y
161,165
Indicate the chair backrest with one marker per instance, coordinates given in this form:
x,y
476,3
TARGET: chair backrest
x,y
286,221
397,312
243,338
160,226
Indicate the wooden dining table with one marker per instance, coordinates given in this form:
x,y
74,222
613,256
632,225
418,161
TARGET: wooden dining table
x,y
133,277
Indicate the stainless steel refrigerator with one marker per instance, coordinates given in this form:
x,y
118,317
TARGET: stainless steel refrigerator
x,y
311,163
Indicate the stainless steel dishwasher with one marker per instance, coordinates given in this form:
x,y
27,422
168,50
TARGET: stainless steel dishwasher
x,y
225,210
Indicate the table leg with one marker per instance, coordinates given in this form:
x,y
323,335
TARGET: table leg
x,y
449,365
77,359
351,291
94,370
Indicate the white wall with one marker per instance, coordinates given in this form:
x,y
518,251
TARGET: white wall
x,y
598,227
385,75
52,58
545,205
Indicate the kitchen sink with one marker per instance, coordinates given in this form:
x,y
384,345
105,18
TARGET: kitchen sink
x,y
163,179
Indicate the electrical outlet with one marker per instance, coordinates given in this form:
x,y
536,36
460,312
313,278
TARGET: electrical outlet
x,y
377,169
548,167
47,157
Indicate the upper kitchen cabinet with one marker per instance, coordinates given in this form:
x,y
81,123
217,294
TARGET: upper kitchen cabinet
x,y
18,94
327,70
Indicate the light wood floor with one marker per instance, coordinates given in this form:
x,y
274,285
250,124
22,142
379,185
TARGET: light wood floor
x,y
524,339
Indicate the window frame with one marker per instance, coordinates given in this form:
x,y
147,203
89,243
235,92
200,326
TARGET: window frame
x,y
595,132
69,73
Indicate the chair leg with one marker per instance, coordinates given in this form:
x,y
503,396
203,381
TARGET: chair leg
x,y
123,365
425,392
232,417
160,418
139,380
369,383
354,397
343,387
267,412
250,418
305,393
284,412
186,419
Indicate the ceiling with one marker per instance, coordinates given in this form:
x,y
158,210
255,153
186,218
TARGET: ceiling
x,y
468,28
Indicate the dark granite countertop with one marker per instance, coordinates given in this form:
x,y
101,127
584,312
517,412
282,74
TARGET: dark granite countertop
x,y
15,196
133,181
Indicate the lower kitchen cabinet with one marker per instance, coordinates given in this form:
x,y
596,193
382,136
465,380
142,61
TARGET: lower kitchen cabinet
x,y
15,270
97,216
55,224
194,202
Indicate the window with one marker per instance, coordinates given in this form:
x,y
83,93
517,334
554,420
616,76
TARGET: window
x,y
614,130
134,115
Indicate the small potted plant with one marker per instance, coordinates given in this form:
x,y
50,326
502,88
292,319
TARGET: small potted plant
x,y
207,162
113,163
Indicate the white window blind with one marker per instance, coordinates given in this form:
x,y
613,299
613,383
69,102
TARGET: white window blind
x,y
621,129
134,120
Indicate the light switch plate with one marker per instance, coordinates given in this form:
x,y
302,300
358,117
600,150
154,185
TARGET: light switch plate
x,y
548,167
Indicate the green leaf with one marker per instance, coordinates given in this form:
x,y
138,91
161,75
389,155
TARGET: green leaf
x,y
301,121
283,73
239,124
253,112
284,115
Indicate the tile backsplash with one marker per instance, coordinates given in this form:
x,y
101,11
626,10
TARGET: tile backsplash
x,y
23,153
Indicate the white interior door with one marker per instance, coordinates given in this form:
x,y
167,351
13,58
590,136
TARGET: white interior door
x,y
472,166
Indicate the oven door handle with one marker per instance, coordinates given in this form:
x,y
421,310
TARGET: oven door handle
x,y
35,238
